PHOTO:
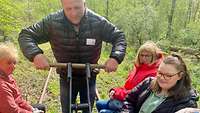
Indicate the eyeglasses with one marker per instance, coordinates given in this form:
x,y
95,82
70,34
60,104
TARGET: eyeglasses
x,y
167,76
146,56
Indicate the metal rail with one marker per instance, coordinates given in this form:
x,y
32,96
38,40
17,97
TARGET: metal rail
x,y
77,66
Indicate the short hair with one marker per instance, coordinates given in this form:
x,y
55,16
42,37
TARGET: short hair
x,y
183,86
7,50
151,47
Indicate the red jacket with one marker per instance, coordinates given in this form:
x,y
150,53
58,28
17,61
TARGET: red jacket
x,y
138,74
11,100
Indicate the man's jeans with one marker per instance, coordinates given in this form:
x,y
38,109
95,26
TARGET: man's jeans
x,y
78,86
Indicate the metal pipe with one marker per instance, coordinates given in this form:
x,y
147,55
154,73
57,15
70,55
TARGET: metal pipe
x,y
77,66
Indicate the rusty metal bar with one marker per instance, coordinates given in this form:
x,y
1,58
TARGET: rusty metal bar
x,y
77,66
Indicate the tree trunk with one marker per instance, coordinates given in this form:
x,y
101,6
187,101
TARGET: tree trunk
x,y
157,3
170,19
107,8
189,12
196,10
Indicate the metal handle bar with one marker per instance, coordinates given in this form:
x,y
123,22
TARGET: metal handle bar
x,y
80,106
77,66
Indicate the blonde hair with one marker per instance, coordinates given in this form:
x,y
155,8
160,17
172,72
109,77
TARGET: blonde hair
x,y
7,50
150,47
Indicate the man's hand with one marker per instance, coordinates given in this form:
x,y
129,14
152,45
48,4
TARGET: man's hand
x,y
111,65
41,62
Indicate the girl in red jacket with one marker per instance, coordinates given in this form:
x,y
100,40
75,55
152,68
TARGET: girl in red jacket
x,y
11,99
146,64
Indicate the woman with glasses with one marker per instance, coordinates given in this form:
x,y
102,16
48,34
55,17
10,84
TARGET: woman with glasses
x,y
11,99
168,92
146,64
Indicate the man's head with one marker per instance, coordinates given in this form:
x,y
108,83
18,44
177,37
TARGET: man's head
x,y
74,10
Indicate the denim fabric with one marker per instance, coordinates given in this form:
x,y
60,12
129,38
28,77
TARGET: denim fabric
x,y
78,86
102,104
109,106
107,111
115,105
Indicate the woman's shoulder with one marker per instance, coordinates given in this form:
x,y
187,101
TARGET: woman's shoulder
x,y
192,97
188,101
145,84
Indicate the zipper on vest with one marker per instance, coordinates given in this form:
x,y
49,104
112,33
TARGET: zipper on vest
x,y
77,36
77,44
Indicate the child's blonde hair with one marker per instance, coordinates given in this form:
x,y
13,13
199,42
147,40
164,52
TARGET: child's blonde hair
x,y
8,50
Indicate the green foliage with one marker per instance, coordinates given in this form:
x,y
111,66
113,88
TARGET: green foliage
x,y
97,6
37,9
189,37
16,13
9,20
53,87
52,100
194,69
143,20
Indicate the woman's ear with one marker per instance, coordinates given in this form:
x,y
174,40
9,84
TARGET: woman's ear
x,y
181,74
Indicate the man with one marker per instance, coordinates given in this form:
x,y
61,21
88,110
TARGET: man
x,y
75,34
